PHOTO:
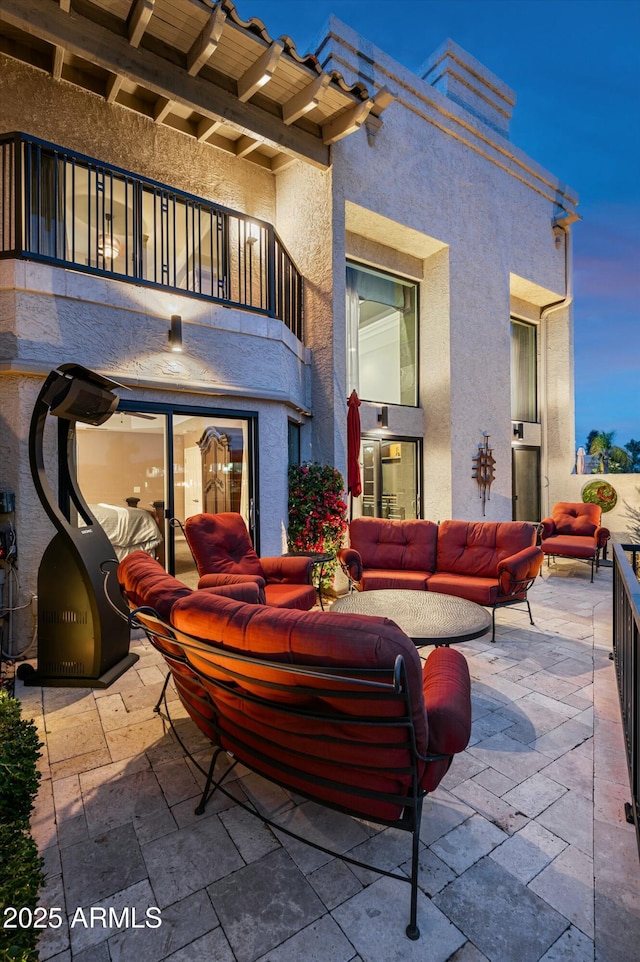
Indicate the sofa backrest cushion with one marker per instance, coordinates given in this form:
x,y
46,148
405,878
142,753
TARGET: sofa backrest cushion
x,y
396,545
304,638
145,582
577,519
220,543
476,547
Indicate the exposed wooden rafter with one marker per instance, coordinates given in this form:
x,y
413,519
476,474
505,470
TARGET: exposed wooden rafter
x,y
246,146
139,17
260,72
114,83
206,127
142,56
161,109
346,123
58,63
305,100
206,42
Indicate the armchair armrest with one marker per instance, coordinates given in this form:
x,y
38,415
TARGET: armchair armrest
x,y
248,591
223,584
601,535
547,527
517,572
351,563
288,570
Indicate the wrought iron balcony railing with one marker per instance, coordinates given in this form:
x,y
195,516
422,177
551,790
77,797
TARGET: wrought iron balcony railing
x,y
67,209
626,652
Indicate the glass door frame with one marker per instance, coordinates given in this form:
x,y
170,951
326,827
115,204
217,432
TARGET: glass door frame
x,y
131,406
391,439
514,493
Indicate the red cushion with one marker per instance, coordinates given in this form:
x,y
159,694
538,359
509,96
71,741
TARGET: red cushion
x,y
398,545
308,638
576,518
374,578
221,543
570,546
484,591
447,695
476,548
145,582
283,595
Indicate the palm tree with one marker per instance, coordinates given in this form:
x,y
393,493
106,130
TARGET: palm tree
x,y
600,446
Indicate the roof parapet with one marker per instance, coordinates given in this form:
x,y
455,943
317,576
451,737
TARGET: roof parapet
x,y
463,79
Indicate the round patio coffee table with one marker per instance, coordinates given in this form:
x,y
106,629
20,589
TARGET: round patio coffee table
x,y
427,617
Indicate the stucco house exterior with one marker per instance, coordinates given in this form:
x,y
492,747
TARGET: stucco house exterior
x,y
319,224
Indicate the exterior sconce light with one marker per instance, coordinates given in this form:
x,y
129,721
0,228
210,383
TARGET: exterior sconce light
x,y
253,234
175,333
108,245
484,470
518,430
383,417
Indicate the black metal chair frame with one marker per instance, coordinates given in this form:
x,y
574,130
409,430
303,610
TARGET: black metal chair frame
x,y
234,670
594,560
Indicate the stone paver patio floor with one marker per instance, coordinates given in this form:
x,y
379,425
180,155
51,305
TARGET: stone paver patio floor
x,y
526,855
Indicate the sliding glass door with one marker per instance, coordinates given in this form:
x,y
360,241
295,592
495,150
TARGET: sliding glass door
x,y
148,465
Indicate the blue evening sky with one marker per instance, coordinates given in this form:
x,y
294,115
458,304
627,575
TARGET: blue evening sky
x,y
575,68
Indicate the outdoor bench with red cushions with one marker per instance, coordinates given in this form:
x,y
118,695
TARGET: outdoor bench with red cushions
x,y
335,707
492,563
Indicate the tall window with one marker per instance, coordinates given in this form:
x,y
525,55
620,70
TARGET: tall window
x,y
382,336
524,371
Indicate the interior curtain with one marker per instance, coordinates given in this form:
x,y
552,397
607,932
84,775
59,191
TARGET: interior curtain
x,y
523,372
353,327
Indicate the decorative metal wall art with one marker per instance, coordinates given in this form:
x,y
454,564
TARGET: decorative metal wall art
x,y
484,470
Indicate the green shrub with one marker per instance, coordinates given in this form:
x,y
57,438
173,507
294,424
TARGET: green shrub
x,y
20,865
20,881
19,752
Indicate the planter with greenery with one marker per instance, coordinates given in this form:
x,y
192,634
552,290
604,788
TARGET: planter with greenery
x,y
317,512
20,865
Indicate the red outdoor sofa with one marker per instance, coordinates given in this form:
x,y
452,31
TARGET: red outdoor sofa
x,y
493,563
335,707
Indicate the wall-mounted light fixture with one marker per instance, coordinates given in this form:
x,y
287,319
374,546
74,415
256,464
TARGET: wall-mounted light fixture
x,y
518,430
383,416
108,245
175,333
253,233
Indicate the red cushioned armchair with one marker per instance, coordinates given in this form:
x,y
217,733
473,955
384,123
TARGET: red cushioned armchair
x,y
574,531
221,545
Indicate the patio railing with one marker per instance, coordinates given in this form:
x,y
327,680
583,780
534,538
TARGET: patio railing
x,y
64,208
626,635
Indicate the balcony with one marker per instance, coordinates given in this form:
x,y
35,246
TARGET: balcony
x,y
526,851
62,208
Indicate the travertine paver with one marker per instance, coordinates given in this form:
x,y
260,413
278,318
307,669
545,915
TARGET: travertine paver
x,y
503,917
525,854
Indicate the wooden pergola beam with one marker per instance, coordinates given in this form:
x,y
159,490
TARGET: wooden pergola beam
x,y
260,72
